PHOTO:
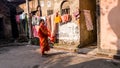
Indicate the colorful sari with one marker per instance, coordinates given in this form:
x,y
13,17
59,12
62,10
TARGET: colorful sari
x,y
43,34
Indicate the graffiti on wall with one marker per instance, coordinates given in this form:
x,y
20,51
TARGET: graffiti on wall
x,y
69,32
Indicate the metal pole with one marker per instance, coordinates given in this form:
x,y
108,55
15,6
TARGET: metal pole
x,y
38,2
27,6
28,18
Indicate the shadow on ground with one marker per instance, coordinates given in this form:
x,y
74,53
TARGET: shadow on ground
x,y
63,59
98,63
76,62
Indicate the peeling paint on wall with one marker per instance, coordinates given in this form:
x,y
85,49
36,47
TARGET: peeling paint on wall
x,y
110,23
69,32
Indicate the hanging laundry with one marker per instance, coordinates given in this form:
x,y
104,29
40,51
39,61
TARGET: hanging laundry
x,y
24,23
22,16
35,30
57,19
48,21
35,20
35,25
26,26
64,18
52,24
18,22
76,14
44,18
52,38
88,20
69,18
18,18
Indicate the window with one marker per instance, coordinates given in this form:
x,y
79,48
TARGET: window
x,y
65,11
49,12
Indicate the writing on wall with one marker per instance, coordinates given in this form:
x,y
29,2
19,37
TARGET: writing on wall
x,y
69,32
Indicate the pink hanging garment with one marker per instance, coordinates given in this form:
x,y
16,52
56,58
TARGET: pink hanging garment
x,y
18,18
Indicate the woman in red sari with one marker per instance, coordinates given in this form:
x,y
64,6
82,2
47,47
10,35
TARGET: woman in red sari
x,y
43,34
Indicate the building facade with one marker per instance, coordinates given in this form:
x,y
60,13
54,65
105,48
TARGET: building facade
x,y
92,25
68,32
109,26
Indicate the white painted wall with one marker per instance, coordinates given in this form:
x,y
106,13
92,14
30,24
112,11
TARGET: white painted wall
x,y
110,24
69,32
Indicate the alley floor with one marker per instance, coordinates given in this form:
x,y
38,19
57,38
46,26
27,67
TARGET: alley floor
x,y
29,57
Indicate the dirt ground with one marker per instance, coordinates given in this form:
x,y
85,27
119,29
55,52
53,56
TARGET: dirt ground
x,y
29,57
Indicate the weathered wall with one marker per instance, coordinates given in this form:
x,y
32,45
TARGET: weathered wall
x,y
32,5
73,6
110,23
45,5
86,36
48,5
5,14
69,33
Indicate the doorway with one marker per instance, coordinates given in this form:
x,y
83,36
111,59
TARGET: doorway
x,y
88,33
1,28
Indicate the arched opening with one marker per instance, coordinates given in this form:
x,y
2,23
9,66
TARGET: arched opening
x,y
64,8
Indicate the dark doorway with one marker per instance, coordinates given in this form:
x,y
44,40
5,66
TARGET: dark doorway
x,y
1,28
15,33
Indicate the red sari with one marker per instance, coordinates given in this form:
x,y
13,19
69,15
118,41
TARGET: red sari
x,y
43,34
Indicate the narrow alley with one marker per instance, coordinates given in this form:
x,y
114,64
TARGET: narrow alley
x,y
59,34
